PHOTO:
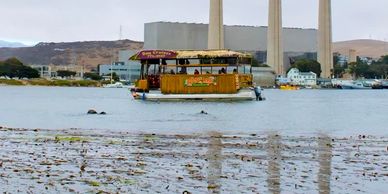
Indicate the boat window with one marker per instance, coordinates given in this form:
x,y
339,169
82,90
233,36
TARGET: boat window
x,y
154,69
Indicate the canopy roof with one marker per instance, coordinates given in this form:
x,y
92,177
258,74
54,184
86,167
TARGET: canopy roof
x,y
187,54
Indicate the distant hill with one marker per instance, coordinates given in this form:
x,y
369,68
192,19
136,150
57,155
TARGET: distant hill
x,y
11,44
363,47
88,53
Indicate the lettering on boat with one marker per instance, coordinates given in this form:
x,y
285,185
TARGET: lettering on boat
x,y
157,54
200,81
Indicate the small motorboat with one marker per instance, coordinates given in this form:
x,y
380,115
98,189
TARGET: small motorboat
x,y
356,85
115,85
289,87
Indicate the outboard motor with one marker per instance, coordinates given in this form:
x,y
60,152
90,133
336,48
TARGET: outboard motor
x,y
258,90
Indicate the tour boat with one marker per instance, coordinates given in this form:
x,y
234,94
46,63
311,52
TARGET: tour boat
x,y
195,75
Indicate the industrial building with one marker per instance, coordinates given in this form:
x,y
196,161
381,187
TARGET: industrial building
x,y
169,35
174,36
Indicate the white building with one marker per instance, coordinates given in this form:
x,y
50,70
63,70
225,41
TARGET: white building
x,y
45,71
302,78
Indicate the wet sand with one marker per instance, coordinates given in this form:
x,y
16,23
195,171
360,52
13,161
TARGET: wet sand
x,y
97,161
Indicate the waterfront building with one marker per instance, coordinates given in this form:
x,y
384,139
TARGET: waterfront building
x,y
352,56
44,70
342,60
133,66
119,68
126,69
50,71
302,78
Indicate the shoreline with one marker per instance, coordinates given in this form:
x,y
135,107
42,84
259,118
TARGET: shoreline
x,y
44,82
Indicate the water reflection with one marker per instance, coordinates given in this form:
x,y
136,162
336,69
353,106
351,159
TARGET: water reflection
x,y
324,158
274,158
214,157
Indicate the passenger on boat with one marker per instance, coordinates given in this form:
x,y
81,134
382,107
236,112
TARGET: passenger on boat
x,y
196,72
172,72
183,69
234,71
164,62
223,71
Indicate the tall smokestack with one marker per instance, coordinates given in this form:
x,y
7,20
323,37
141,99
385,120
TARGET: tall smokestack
x,y
216,25
275,38
325,48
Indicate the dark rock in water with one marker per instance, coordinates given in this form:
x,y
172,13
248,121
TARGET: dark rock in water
x,y
92,112
102,113
203,112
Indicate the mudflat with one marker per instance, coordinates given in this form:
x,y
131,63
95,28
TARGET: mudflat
x,y
100,161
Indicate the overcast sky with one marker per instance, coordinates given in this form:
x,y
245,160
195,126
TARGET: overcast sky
x,y
32,21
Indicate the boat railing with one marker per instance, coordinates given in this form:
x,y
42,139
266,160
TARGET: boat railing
x,y
199,84
197,65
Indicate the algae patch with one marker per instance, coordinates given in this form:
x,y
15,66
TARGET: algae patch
x,y
70,139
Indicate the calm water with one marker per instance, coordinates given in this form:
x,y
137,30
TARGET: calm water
x,y
307,141
333,112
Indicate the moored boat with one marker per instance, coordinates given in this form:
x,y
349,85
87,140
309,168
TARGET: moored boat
x,y
195,75
115,85
289,87
356,85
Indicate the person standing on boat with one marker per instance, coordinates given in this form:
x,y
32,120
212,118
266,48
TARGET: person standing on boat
x,y
183,68
223,71
234,71
196,72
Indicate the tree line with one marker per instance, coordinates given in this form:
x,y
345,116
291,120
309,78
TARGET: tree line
x,y
378,69
13,68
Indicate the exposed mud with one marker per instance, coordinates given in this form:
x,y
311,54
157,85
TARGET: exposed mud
x,y
87,161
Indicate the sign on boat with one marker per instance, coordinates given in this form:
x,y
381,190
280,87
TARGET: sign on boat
x,y
195,75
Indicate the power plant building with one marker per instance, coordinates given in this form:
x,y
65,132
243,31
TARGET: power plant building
x,y
297,42
192,36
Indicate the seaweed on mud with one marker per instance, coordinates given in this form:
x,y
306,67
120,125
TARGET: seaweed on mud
x,y
94,183
70,139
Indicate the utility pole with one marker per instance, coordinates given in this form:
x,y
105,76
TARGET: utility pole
x,y
121,32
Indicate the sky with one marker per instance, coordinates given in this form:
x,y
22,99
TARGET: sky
x,y
32,21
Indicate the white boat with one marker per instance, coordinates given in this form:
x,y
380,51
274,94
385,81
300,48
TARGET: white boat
x,y
356,85
115,85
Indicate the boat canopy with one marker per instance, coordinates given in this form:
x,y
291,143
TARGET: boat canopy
x,y
188,54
